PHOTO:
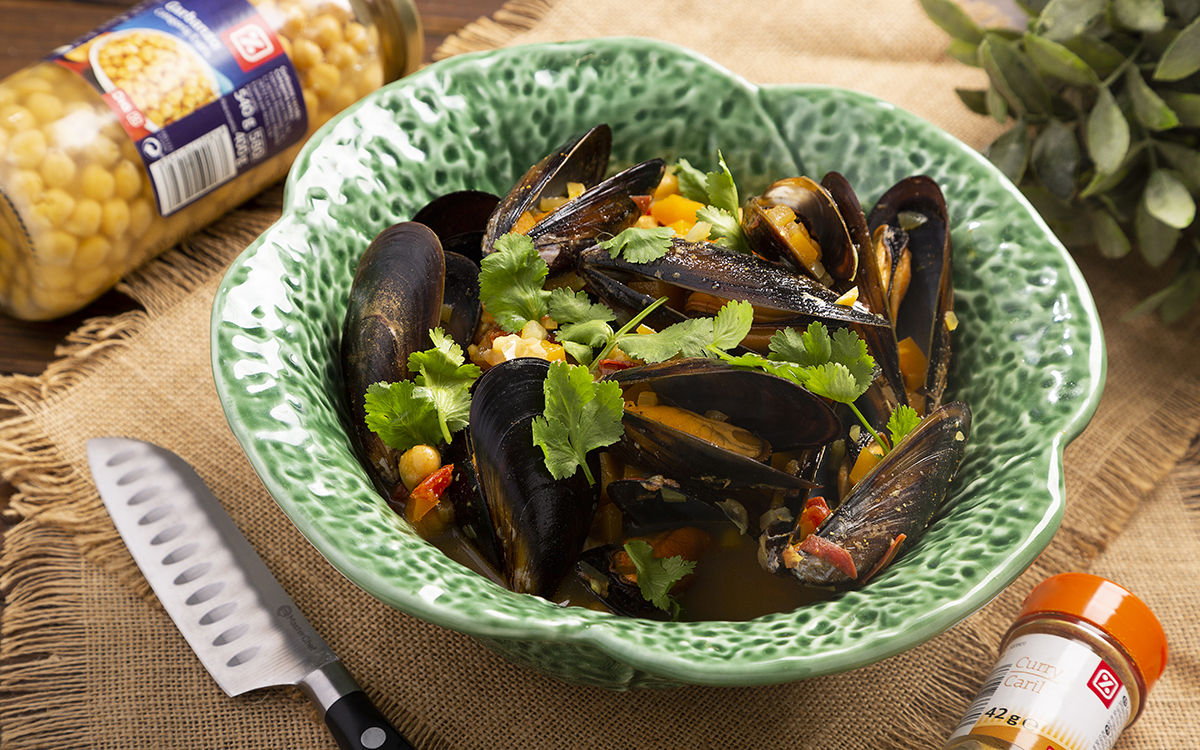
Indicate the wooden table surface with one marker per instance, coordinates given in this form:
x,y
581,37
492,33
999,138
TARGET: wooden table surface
x,y
31,28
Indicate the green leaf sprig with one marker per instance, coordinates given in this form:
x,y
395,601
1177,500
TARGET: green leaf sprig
x,y
657,575
581,414
429,408
511,280
718,192
1105,104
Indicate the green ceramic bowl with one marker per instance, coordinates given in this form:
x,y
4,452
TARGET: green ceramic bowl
x,y
1029,351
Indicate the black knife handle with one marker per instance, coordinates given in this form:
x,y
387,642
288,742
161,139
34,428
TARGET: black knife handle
x,y
357,724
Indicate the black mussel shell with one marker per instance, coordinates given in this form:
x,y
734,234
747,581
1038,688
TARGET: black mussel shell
x,y
540,523
460,220
897,498
395,298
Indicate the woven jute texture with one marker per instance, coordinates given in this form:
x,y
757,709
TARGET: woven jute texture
x,y
88,660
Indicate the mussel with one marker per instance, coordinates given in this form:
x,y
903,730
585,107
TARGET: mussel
x,y
396,297
540,523
711,428
605,208
888,510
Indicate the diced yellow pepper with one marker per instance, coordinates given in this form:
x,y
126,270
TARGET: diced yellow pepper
x,y
675,208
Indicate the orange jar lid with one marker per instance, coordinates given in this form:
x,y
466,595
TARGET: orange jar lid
x,y
1109,607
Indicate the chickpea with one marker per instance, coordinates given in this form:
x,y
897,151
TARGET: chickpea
x,y
325,30
27,148
97,182
85,219
417,463
127,180
91,253
56,207
45,106
57,249
114,218
306,53
58,169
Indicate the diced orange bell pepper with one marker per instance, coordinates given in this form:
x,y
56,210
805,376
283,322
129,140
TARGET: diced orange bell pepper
x,y
913,364
675,208
867,458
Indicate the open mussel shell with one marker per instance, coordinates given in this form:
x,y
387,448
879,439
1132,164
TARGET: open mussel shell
x,y
916,209
767,407
895,501
395,299
461,305
460,220
817,211
603,211
713,269
540,523
649,505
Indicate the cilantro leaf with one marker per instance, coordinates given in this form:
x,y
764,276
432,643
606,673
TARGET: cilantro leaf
x,y
732,323
722,192
850,350
904,419
640,244
566,306
510,282
689,337
583,325
447,378
580,414
809,348
402,416
428,408
725,228
656,575
693,184
834,380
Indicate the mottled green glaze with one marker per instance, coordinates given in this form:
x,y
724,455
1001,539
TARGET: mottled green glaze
x,y
1029,351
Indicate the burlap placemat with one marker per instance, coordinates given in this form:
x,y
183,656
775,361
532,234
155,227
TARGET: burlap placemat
x,y
88,660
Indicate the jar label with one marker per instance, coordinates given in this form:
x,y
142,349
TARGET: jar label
x,y
203,87
1050,693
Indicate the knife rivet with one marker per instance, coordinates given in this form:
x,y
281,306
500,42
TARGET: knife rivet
x,y
373,738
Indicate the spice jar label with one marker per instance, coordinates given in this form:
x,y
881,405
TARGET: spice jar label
x,y
203,87
1050,693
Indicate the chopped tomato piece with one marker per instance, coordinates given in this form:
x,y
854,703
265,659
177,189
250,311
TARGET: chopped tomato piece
x,y
425,496
831,552
642,202
816,510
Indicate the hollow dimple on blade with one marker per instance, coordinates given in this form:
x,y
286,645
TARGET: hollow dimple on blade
x,y
239,621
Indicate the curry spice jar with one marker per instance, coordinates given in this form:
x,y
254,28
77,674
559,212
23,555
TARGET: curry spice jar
x,y
154,124
1074,670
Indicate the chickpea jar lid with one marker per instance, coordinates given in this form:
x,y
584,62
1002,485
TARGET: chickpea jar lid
x,y
404,42
1112,609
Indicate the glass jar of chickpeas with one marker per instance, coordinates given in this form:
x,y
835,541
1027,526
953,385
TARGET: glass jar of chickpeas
x,y
153,125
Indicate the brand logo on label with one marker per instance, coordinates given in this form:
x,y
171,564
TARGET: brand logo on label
x,y
1105,684
250,43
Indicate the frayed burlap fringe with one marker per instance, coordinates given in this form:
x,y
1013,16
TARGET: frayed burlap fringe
x,y
513,18
43,665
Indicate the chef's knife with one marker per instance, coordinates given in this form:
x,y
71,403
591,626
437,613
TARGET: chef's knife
x,y
234,614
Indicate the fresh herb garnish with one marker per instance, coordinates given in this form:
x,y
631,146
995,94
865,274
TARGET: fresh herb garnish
x,y
656,575
429,408
510,282
904,419
581,414
640,244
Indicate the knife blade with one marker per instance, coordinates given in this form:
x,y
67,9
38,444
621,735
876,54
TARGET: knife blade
x,y
243,626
